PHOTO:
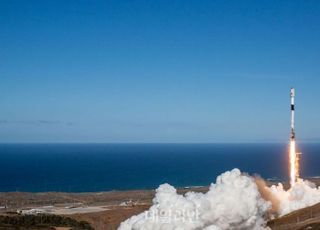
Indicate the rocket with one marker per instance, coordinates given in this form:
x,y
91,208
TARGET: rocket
x,y
292,133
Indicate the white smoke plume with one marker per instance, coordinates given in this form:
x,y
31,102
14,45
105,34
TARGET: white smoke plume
x,y
235,201
301,195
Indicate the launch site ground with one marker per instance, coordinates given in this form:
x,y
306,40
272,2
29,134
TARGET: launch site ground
x,y
106,210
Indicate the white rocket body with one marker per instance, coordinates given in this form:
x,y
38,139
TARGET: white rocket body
x,y
292,94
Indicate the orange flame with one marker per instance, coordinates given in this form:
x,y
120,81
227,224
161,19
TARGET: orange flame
x,y
294,163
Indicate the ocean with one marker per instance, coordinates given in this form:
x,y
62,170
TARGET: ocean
x,y
105,167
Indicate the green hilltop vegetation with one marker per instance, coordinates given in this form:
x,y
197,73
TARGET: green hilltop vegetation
x,y
41,222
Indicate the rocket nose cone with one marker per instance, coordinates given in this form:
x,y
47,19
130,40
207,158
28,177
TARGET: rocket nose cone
x,y
292,92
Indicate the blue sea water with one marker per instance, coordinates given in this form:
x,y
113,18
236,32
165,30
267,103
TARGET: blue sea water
x,y
103,167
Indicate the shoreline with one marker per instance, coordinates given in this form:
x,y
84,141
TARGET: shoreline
x,y
186,187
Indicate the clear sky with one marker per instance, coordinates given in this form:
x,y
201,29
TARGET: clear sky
x,y
158,71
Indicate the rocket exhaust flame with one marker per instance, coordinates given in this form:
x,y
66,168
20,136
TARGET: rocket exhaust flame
x,y
293,155
294,167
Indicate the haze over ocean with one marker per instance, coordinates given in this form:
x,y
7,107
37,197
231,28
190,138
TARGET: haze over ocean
x,y
101,167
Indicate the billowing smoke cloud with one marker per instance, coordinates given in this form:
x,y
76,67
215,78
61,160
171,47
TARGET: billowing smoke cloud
x,y
235,201
301,195
268,195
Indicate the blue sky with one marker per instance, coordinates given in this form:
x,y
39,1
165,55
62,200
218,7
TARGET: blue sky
x,y
158,71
